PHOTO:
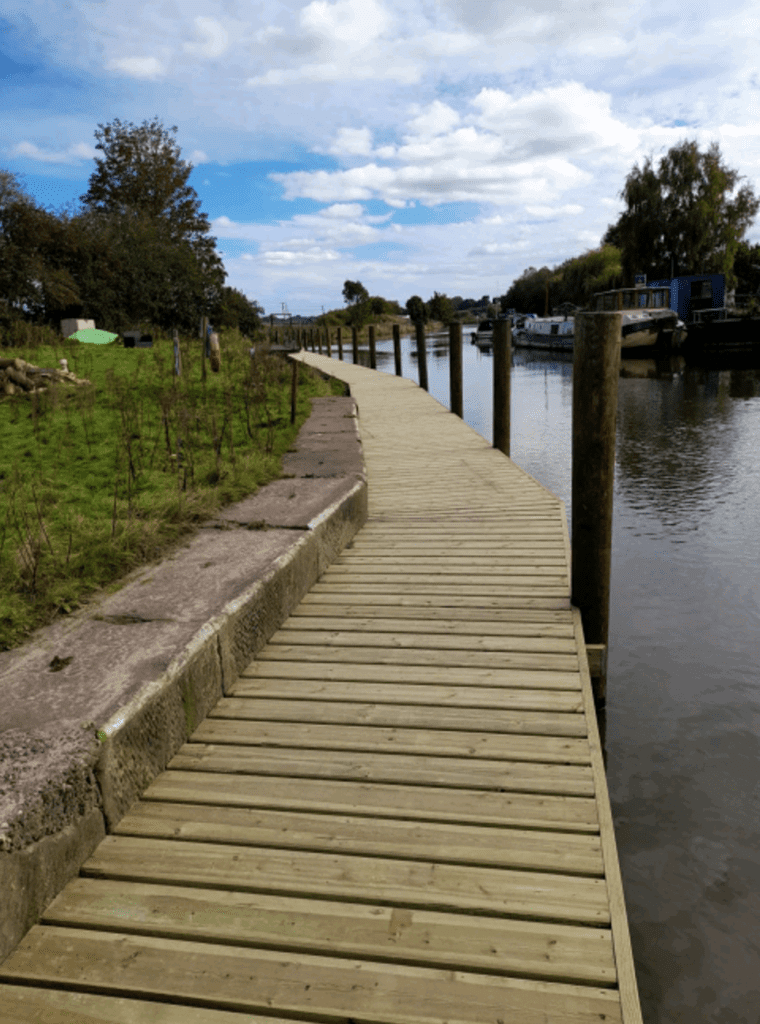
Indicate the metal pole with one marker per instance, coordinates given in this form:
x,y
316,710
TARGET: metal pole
x,y
596,368
419,330
397,348
502,365
455,369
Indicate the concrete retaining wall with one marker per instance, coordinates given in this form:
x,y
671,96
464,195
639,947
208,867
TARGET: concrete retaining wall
x,y
83,734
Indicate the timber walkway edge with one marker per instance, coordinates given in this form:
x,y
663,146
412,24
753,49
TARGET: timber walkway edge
x,y
399,815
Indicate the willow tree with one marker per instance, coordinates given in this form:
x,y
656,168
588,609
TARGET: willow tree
x,y
687,216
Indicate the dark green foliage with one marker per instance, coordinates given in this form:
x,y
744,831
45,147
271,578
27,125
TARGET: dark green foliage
x,y
235,310
685,217
359,303
417,310
440,308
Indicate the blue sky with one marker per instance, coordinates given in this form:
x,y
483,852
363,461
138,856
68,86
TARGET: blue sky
x,y
414,145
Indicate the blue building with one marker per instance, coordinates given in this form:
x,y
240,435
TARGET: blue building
x,y
693,293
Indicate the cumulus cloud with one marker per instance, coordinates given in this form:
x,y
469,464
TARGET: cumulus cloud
x,y
138,67
75,153
351,23
212,38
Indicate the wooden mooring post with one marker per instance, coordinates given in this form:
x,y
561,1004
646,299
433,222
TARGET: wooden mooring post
x,y
502,373
397,349
596,369
339,332
293,390
328,343
455,369
319,340
419,331
372,348
355,344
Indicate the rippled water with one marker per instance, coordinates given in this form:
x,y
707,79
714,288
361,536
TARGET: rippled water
x,y
683,689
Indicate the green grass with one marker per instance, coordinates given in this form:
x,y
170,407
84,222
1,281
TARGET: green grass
x,y
99,479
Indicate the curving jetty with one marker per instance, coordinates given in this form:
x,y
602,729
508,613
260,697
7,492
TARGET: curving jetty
x,y
400,814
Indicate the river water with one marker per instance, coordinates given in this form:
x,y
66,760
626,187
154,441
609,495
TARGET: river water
x,y
683,687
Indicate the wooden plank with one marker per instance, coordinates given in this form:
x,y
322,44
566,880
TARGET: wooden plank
x,y
535,895
548,777
383,934
477,627
410,717
453,592
393,693
27,1004
377,800
555,749
429,656
520,578
260,981
561,853
496,618
496,563
544,679
629,993
483,603
292,633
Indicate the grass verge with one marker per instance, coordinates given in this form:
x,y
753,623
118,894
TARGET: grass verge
x,y
98,479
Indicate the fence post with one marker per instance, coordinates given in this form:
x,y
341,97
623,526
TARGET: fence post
x,y
596,368
419,330
455,369
204,333
355,344
340,343
502,370
372,348
397,348
293,391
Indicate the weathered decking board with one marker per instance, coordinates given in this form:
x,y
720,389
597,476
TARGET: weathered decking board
x,y
400,816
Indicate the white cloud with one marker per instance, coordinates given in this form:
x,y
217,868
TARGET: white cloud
x,y
212,38
352,142
77,152
138,67
351,23
198,157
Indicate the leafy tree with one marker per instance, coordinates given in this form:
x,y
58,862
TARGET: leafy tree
x,y
139,191
358,302
235,309
417,310
440,308
747,268
685,217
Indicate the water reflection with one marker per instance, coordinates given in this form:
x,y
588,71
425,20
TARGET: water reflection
x,y
683,692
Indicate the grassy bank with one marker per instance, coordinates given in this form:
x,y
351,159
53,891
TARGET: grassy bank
x,y
97,479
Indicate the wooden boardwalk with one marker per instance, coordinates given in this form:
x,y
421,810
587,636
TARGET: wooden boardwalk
x,y
401,815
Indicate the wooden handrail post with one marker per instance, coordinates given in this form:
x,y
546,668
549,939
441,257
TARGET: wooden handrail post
x,y
596,369
419,330
340,343
502,372
372,348
355,344
455,369
293,391
397,348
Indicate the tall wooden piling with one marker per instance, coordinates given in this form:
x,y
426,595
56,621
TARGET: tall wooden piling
x,y
318,333
328,343
419,331
293,390
340,343
596,369
502,372
372,348
397,348
355,344
455,369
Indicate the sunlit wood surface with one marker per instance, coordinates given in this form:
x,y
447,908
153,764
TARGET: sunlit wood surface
x,y
400,816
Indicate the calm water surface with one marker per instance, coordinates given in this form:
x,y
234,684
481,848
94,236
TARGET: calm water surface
x,y
683,690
